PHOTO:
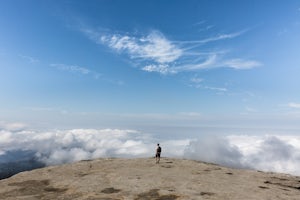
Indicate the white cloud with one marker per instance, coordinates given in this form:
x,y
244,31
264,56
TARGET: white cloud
x,y
200,83
161,68
216,88
86,71
223,36
242,64
214,150
215,38
92,34
71,68
29,59
191,114
196,80
267,153
250,109
213,61
59,147
153,47
208,63
12,126
199,23
294,105
6,137
156,53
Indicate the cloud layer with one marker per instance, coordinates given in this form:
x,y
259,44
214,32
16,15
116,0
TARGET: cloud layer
x,y
59,147
268,153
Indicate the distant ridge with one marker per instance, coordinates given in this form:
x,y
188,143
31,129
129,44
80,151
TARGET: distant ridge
x,y
142,179
13,162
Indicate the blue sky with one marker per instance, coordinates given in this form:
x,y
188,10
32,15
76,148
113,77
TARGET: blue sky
x,y
151,65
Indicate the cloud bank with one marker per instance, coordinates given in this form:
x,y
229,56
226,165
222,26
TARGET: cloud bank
x,y
57,147
267,153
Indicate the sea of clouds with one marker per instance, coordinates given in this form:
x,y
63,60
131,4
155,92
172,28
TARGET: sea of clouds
x,y
276,153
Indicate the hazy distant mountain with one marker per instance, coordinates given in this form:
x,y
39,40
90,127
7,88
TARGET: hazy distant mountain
x,y
13,162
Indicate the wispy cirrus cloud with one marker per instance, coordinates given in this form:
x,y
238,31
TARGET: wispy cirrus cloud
x,y
251,110
219,89
200,83
196,80
214,38
210,62
72,68
152,47
29,59
241,64
154,52
85,71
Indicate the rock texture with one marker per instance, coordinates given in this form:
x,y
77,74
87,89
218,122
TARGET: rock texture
x,y
142,179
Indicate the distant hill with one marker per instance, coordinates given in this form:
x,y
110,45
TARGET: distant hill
x,y
13,162
142,179
9,169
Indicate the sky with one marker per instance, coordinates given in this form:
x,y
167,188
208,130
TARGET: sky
x,y
166,69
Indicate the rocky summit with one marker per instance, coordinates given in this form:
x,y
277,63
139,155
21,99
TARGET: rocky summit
x,y
143,179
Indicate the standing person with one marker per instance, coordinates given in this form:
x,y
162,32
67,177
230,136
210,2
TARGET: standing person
x,y
158,152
